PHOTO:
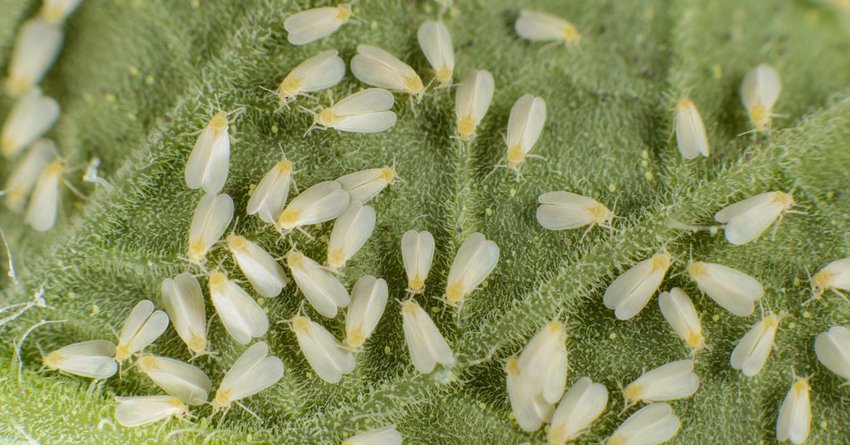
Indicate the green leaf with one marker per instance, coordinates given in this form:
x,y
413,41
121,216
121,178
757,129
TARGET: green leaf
x,y
138,79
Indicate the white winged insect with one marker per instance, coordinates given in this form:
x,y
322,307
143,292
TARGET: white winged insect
x,y
46,197
387,435
835,277
751,353
472,101
323,290
142,410
436,43
759,91
366,111
317,23
208,164
212,216
259,267
328,358
25,175
351,231
795,414
241,316
366,184
269,197
368,300
319,203
671,381
580,407
564,210
475,260
184,303
93,359
543,27
254,371
690,131
378,68
426,344
735,291
142,327
417,252
833,350
525,123
31,116
530,410
748,219
36,49
544,362
680,313
650,425
631,291
319,72
179,379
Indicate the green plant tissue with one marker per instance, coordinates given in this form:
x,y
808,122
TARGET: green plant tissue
x,y
138,79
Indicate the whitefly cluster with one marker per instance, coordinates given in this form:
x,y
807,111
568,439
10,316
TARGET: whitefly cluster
x,y
536,378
